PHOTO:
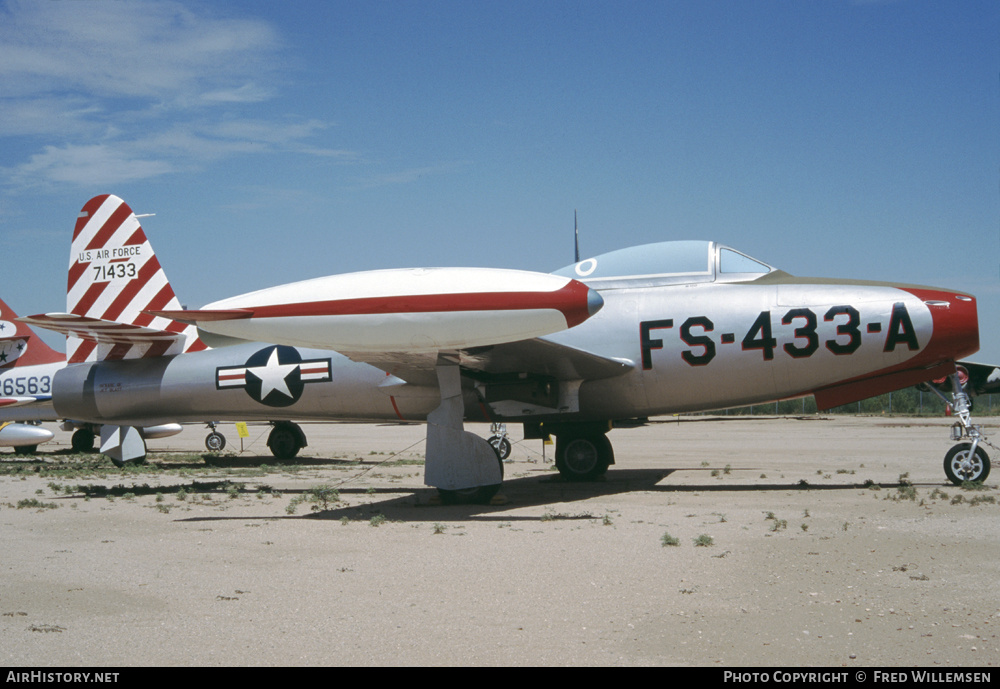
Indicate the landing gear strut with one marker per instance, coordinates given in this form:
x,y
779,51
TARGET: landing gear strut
x,y
966,461
461,465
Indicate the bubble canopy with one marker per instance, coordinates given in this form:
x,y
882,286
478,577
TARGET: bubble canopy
x,y
695,259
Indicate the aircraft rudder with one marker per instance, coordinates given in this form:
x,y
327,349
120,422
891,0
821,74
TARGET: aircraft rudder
x,y
114,275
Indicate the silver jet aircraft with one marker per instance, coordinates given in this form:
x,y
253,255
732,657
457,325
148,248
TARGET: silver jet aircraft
x,y
657,329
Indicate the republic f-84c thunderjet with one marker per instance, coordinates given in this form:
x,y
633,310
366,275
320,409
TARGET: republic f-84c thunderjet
x,y
663,328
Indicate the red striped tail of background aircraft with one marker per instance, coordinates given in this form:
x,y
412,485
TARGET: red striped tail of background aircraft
x,y
658,329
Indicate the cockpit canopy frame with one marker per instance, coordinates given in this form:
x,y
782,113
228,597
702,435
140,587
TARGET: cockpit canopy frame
x,y
676,262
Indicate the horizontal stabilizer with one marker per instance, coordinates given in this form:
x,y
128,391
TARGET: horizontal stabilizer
x,y
204,315
101,331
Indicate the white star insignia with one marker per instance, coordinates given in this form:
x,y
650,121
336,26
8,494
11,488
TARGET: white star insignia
x,y
272,375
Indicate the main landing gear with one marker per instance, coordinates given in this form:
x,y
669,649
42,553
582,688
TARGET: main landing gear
x,y
966,461
583,451
83,439
286,439
583,454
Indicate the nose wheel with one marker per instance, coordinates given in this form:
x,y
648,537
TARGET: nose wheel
x,y
214,441
962,463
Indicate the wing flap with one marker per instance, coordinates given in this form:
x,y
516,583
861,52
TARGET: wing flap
x,y
534,358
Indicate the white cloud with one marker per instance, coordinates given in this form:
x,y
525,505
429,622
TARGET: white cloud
x,y
87,165
118,91
156,50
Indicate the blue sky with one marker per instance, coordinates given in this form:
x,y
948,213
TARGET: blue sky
x,y
281,141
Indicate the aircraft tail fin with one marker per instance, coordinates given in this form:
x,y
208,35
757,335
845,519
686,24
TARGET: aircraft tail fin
x,y
114,277
20,345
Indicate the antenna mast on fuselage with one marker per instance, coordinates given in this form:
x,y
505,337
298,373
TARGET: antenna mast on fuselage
x,y
576,240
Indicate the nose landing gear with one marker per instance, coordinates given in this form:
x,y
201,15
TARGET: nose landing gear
x,y
966,461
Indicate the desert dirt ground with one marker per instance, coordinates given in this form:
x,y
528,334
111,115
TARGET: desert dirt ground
x,y
831,541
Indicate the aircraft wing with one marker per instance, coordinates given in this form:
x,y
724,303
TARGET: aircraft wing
x,y
538,358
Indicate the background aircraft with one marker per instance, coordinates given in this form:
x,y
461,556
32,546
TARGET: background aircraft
x,y
27,366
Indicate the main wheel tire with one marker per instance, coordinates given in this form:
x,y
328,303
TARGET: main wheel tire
x,y
26,450
477,495
583,458
958,467
83,440
120,464
284,443
215,442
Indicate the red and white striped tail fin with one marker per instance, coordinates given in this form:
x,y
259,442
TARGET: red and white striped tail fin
x,y
19,345
113,277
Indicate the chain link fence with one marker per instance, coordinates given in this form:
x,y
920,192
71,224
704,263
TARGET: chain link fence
x,y
908,402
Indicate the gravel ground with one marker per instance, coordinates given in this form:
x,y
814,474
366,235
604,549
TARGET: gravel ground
x,y
830,541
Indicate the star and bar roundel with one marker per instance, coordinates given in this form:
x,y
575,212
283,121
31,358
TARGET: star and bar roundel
x,y
275,375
